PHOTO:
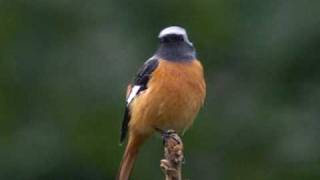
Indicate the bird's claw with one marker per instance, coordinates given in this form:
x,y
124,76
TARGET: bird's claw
x,y
170,134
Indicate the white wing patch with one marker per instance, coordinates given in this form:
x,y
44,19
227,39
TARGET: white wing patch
x,y
133,93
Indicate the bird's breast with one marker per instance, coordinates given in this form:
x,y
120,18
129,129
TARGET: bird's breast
x,y
173,97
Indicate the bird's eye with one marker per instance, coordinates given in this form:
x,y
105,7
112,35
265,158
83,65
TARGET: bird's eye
x,y
172,38
178,38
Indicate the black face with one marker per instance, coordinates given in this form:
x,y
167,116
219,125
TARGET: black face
x,y
171,38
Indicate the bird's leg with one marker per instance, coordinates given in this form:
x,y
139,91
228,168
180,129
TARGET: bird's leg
x,y
173,153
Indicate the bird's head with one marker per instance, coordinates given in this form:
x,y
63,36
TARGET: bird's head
x,y
174,34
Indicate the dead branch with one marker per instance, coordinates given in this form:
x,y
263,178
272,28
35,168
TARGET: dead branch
x,y
173,154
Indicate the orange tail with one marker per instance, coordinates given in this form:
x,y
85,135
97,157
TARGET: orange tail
x,y
129,156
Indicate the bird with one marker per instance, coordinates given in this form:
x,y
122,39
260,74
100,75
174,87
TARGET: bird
x,y
166,94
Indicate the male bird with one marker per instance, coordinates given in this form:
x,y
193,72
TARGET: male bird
x,y
166,94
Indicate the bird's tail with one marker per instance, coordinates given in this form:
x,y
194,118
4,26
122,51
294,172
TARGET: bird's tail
x,y
129,156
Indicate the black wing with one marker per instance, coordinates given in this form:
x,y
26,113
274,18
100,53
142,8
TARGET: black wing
x,y
140,82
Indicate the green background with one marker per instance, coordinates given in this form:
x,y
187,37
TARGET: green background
x,y
65,65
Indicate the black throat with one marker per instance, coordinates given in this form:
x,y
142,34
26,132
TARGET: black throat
x,y
176,51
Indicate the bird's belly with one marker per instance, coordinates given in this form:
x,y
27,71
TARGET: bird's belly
x,y
172,100
175,111
171,107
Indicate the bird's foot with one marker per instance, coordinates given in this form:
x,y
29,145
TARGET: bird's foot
x,y
167,134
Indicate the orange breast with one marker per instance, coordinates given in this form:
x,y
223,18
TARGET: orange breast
x,y
173,98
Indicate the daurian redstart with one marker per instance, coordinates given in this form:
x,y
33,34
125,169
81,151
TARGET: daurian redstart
x,y
166,94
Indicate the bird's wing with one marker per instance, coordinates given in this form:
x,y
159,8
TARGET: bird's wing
x,y
140,83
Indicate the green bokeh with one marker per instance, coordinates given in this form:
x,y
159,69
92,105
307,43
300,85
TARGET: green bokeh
x,y
64,67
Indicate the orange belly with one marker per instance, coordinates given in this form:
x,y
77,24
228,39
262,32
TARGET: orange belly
x,y
173,98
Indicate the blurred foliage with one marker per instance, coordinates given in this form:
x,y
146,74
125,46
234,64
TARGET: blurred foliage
x,y
64,66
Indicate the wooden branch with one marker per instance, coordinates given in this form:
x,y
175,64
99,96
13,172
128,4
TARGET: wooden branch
x,y
173,154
